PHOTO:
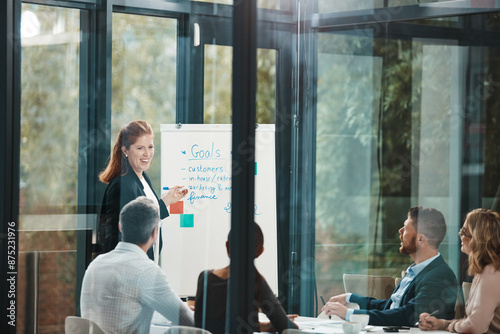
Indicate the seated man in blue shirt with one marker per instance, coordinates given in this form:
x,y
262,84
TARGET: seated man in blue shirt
x,y
429,284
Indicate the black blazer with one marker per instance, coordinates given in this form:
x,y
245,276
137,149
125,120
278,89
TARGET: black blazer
x,y
120,191
434,288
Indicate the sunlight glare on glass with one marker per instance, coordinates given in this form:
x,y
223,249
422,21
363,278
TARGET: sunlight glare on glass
x,y
30,25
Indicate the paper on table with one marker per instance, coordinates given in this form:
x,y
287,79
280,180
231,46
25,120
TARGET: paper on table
x,y
324,330
313,325
322,315
321,325
322,321
307,323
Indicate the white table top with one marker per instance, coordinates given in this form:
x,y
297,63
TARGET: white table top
x,y
306,324
159,324
327,326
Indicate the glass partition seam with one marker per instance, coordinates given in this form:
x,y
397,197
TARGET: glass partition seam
x,y
302,273
240,290
94,118
284,129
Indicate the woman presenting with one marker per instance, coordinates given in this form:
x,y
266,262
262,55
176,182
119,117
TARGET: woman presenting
x,y
480,238
126,178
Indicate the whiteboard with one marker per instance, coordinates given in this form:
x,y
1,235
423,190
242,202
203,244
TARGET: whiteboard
x,y
194,235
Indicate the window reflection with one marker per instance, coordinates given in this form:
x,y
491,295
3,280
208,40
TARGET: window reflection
x,y
48,166
399,124
144,75
49,111
218,83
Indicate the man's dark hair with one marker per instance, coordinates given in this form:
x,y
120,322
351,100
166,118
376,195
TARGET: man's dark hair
x,y
430,222
138,219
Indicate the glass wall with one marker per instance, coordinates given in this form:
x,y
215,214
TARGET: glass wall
x,y
364,109
217,83
50,40
404,119
144,57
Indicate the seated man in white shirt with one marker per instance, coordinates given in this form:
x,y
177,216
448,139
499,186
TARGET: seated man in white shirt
x,y
121,289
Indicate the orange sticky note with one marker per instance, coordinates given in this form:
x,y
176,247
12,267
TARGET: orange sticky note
x,y
177,208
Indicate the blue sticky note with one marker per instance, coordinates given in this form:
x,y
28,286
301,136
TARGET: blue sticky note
x,y
255,167
187,220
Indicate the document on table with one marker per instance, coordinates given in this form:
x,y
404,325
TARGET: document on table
x,y
316,325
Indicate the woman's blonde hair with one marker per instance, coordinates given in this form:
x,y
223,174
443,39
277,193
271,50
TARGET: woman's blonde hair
x,y
118,163
484,226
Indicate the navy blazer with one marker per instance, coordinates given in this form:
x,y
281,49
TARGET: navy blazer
x,y
434,288
120,191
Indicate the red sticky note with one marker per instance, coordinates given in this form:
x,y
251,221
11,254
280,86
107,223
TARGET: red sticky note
x,y
177,208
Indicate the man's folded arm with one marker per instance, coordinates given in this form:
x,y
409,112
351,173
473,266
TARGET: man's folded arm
x,y
367,303
378,314
391,317
437,292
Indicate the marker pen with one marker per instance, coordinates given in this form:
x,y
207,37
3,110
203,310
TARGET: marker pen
x,y
168,188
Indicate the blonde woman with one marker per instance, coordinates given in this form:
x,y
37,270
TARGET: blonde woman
x,y
480,238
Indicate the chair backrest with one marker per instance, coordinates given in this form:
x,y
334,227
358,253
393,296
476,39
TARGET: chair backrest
x,y
462,297
459,305
378,287
186,330
466,289
77,325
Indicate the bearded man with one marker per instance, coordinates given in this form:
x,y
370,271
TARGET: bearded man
x,y
428,286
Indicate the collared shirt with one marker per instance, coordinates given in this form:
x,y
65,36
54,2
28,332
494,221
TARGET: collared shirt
x,y
121,290
411,273
397,296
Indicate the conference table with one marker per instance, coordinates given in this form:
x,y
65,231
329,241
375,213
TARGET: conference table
x,y
306,324
327,326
